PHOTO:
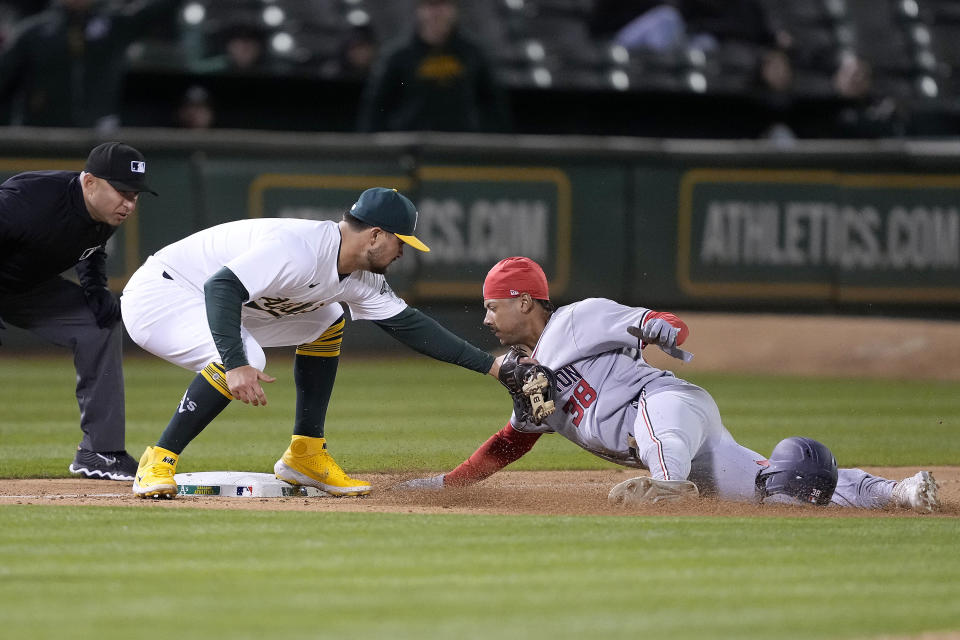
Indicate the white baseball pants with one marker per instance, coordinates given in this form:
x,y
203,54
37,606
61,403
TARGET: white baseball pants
x,y
168,318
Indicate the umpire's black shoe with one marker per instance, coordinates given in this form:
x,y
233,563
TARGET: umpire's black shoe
x,y
112,465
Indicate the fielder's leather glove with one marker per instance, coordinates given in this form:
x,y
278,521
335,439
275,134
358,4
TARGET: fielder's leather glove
x,y
531,385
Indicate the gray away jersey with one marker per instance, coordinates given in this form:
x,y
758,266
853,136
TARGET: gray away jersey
x,y
600,374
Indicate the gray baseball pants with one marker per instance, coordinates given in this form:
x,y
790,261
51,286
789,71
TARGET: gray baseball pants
x,y
57,311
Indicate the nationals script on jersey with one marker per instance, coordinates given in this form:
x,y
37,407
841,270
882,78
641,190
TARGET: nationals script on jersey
x,y
600,374
288,266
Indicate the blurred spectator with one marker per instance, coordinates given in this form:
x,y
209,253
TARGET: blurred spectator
x,y
775,70
663,25
355,57
196,109
667,26
864,114
10,15
743,21
858,110
853,77
637,24
434,80
8,18
12,11
245,47
242,46
65,66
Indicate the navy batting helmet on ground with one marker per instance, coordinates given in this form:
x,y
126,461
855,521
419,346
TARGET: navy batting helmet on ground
x,y
800,468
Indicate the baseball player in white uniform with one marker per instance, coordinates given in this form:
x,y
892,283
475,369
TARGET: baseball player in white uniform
x,y
616,406
211,302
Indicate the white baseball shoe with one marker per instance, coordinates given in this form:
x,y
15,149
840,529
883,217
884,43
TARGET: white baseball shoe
x,y
645,490
919,493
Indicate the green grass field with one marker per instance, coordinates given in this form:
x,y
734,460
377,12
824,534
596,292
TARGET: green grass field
x,y
108,572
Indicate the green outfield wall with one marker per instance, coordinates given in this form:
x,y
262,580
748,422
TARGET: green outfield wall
x,y
680,224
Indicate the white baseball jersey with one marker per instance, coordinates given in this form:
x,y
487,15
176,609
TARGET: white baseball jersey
x,y
288,266
600,373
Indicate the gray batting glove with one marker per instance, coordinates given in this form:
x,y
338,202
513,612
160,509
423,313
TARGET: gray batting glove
x,y
660,332
663,334
433,483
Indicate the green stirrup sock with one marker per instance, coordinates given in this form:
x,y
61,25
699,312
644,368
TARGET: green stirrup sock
x,y
314,377
201,403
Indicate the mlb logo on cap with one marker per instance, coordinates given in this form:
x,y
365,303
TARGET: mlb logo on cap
x,y
119,164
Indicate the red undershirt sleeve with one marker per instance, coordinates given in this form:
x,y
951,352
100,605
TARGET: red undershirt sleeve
x,y
501,449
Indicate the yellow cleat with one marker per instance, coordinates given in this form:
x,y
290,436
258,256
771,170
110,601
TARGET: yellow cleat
x,y
154,478
306,462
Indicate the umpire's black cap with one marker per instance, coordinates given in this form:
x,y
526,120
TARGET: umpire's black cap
x,y
119,164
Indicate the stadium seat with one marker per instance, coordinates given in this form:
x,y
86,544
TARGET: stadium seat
x,y
566,39
941,11
797,12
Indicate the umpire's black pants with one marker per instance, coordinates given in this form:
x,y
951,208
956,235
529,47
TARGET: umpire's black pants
x,y
57,311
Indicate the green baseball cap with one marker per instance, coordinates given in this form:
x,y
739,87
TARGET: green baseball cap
x,y
391,211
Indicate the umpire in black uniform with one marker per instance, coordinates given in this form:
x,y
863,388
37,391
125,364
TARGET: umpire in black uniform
x,y
51,221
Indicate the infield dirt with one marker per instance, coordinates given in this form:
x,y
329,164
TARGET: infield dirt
x,y
734,343
506,493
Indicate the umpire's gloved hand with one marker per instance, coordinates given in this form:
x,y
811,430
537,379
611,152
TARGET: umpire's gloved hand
x,y
105,306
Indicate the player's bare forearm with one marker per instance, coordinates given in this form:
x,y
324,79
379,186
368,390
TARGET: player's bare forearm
x,y
495,368
244,385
